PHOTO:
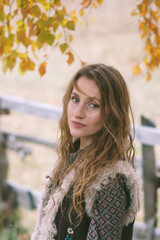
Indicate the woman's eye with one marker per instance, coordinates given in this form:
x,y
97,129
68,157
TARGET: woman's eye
x,y
93,105
75,100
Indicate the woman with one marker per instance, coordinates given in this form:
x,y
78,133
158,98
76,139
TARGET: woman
x,y
93,191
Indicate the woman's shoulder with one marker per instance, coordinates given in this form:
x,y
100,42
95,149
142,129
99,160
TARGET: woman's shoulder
x,y
122,177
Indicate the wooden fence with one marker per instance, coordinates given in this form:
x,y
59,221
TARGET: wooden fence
x,y
147,135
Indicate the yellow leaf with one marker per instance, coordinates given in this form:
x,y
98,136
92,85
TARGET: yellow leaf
x,y
73,13
11,61
144,29
148,77
56,24
33,45
70,57
23,56
75,19
99,2
143,8
157,2
23,67
44,17
136,70
35,11
81,12
42,68
134,13
26,42
4,66
22,4
70,38
20,23
58,36
7,46
31,65
9,17
154,15
2,15
46,6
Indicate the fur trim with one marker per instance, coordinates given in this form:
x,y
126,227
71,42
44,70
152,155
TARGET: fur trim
x,y
46,229
48,226
132,183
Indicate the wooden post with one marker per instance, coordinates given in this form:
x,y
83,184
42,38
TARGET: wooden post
x,y
3,174
149,177
4,205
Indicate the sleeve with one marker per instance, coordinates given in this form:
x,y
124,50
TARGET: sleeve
x,y
108,211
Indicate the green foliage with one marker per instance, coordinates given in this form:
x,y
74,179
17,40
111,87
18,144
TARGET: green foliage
x,y
28,26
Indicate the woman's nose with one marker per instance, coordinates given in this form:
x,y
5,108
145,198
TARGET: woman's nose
x,y
79,111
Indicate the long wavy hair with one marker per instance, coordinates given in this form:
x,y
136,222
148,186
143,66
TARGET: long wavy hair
x,y
112,143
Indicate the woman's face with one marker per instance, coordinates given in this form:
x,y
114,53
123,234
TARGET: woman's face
x,y
84,111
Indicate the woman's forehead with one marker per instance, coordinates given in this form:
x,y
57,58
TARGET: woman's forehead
x,y
87,87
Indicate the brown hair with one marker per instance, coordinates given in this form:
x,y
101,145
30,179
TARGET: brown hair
x,y
112,143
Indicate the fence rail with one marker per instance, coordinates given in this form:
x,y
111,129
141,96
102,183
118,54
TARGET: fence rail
x,y
147,136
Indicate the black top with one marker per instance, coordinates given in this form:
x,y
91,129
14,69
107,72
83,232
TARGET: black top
x,y
62,222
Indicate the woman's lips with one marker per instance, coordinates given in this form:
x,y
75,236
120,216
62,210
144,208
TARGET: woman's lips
x,y
77,124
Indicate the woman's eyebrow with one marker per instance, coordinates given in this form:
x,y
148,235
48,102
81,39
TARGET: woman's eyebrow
x,y
94,98
89,98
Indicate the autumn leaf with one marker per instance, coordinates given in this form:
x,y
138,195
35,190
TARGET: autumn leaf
x,y
58,36
63,47
22,4
70,38
42,68
4,65
134,13
35,11
70,57
29,25
50,39
23,56
81,12
24,12
30,65
136,70
21,35
99,2
83,63
148,77
157,2
11,61
2,15
55,26
26,42
70,25
86,3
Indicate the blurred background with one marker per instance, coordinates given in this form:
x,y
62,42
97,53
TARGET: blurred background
x,y
112,38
